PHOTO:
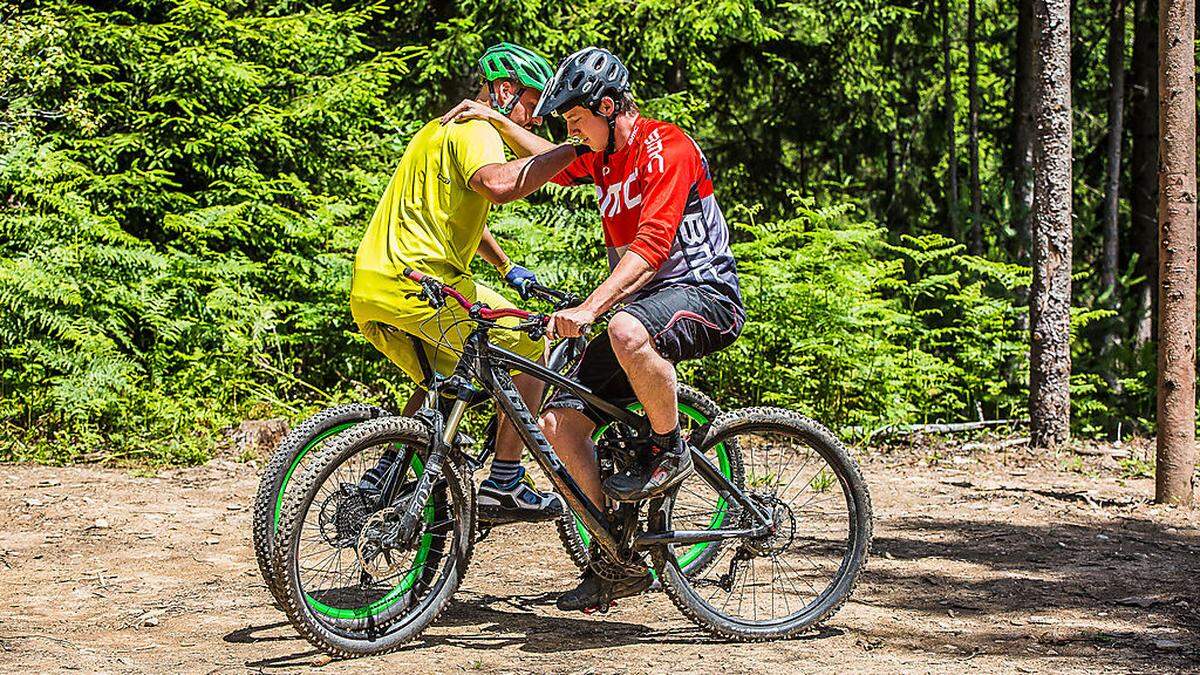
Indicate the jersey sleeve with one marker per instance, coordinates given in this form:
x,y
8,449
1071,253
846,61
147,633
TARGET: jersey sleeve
x,y
578,172
473,145
667,178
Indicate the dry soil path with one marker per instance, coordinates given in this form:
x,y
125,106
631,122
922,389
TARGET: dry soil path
x,y
995,560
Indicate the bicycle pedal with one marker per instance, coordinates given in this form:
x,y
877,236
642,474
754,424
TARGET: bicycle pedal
x,y
602,609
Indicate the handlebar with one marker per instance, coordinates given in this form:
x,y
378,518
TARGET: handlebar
x,y
535,324
560,299
436,292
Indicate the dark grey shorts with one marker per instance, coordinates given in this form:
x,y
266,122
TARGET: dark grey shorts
x,y
685,322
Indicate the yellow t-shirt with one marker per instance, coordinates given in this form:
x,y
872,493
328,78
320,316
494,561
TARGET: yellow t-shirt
x,y
429,218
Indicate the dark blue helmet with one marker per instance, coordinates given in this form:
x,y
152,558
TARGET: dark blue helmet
x,y
583,78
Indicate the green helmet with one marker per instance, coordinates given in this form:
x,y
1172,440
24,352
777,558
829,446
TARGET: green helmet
x,y
514,62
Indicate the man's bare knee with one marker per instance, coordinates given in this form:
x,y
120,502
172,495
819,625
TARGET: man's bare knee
x,y
548,423
560,422
627,334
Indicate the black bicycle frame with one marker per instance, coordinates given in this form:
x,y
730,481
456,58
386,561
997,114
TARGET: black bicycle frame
x,y
490,365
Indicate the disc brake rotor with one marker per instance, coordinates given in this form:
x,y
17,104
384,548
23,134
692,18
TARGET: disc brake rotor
x,y
784,529
376,556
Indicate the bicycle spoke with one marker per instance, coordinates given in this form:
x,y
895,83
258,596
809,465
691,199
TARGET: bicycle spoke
x,y
780,575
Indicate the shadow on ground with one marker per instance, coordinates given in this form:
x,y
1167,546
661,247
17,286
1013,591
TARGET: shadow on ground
x,y
490,622
1042,585
508,621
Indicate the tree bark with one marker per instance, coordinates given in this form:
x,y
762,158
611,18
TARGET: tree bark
x,y
889,198
1143,166
1177,253
975,239
1110,261
1116,128
1024,94
1050,301
951,149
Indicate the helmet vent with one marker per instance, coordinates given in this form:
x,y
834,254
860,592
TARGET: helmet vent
x,y
584,78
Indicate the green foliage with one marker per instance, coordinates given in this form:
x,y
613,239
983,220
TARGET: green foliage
x,y
183,184
1136,467
856,331
180,199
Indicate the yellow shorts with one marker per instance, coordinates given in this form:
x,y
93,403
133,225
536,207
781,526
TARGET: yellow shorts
x,y
388,316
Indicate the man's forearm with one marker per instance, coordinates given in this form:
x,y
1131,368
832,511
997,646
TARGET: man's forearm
x,y
511,181
630,274
523,141
489,249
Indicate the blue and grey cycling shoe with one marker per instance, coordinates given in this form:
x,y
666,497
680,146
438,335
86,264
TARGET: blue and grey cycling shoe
x,y
517,501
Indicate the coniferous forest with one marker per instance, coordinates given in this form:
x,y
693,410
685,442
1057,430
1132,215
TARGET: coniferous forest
x,y
183,184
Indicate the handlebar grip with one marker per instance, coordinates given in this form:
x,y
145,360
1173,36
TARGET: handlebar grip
x,y
545,292
413,274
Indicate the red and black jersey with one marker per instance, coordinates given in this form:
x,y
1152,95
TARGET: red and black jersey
x,y
656,200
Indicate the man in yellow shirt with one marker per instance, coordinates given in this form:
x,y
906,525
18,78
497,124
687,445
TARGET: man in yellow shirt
x,y
432,218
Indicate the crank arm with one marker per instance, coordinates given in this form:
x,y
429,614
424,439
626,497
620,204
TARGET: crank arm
x,y
653,539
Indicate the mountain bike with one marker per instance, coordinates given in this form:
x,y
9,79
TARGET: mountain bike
x,y
365,571
295,451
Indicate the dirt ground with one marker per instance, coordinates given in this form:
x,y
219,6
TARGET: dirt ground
x,y
984,558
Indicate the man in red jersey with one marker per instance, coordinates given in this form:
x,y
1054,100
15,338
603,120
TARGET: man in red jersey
x,y
672,276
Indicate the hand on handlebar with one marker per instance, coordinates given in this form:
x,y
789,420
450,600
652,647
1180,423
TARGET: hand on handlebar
x,y
521,279
569,323
572,322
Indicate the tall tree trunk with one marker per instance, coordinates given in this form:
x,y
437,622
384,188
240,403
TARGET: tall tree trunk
x,y
1115,57
1050,303
1177,253
893,70
1143,165
1024,94
1116,128
975,239
1025,102
952,149
889,198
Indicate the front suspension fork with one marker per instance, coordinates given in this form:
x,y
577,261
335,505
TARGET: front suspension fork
x,y
441,433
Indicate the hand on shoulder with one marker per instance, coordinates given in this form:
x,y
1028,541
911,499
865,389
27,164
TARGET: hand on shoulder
x,y
471,110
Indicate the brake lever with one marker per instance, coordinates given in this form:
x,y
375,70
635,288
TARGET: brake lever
x,y
431,290
569,300
535,326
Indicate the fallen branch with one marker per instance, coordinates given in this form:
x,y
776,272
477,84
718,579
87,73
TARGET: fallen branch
x,y
998,445
938,428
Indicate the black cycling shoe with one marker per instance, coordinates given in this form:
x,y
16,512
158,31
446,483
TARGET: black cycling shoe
x,y
595,593
662,471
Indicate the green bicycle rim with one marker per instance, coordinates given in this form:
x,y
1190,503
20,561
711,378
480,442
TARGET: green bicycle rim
x,y
406,584
695,550
287,477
